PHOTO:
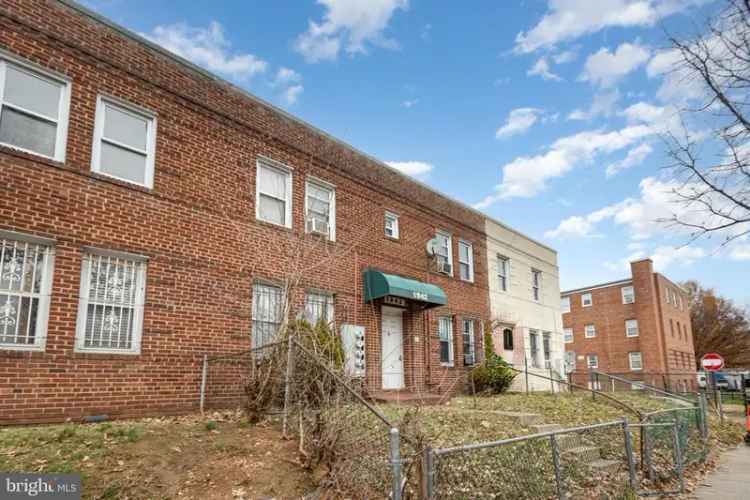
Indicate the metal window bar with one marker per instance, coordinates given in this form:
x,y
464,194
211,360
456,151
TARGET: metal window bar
x,y
319,306
23,267
267,314
469,344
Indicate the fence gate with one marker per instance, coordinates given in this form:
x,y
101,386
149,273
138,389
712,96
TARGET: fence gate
x,y
661,458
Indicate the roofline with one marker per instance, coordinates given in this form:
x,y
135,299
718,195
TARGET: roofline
x,y
184,62
597,287
519,233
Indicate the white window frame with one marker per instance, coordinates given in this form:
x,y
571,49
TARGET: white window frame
x,y
595,359
570,361
140,276
628,292
327,186
442,321
586,331
630,325
137,111
449,241
547,349
568,335
470,263
469,334
638,356
61,137
254,335
394,219
503,276
45,289
319,297
583,300
565,305
534,348
536,285
267,163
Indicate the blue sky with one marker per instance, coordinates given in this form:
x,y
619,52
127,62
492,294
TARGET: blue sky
x,y
545,114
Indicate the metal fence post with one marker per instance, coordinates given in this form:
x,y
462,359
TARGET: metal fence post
x,y
551,380
629,453
526,373
678,454
288,383
720,405
204,376
556,462
428,475
703,404
395,464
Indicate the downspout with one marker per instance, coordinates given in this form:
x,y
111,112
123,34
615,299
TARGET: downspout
x,y
356,286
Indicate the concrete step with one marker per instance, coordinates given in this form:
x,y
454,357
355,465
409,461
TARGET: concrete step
x,y
547,427
586,454
568,441
605,465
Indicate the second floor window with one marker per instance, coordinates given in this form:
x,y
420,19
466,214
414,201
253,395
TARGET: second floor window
x,y
586,300
565,304
503,268
466,261
568,335
536,285
444,253
589,331
273,201
631,328
320,209
124,143
33,111
391,225
628,295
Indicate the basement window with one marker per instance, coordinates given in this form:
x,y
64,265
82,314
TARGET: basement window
x,y
124,142
110,314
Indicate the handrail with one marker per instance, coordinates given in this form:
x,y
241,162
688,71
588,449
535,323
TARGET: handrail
x,y
645,385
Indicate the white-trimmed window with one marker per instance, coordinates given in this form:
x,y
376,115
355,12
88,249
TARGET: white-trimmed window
x,y
628,295
570,361
534,348
465,260
666,291
547,348
273,193
631,328
320,209
589,331
636,361
467,330
268,307
444,252
26,266
586,300
124,142
565,304
503,272
319,306
592,361
536,285
568,335
445,332
110,312
34,107
391,225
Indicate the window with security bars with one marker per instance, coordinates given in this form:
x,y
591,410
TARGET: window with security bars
x,y
445,332
534,349
319,307
268,306
470,354
33,110
25,279
110,316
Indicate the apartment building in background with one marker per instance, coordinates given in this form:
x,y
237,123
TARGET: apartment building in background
x,y
638,328
151,214
524,285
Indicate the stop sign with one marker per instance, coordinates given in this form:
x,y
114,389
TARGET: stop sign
x,y
712,362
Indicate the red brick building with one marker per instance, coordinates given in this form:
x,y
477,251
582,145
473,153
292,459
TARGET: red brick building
x,y
150,213
638,328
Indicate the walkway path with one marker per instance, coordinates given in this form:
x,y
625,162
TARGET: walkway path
x,y
731,480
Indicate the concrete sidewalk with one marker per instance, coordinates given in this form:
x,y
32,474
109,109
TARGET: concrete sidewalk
x,y
731,480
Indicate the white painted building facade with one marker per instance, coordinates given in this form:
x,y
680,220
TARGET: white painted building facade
x,y
524,287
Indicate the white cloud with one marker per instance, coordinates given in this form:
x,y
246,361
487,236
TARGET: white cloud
x,y
740,252
286,76
678,85
581,226
291,94
569,19
348,24
603,104
663,257
605,68
519,121
410,103
542,68
207,47
527,176
412,168
290,82
565,57
634,158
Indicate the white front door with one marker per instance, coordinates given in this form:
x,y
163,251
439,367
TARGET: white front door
x,y
393,348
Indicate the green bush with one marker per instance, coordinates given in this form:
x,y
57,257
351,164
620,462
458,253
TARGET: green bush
x,y
494,375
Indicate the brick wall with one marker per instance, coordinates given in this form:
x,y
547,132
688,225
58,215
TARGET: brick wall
x,y
197,226
654,342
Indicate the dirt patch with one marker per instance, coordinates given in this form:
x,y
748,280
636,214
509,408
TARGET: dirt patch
x,y
218,457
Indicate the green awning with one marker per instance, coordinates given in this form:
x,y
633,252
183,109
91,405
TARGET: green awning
x,y
379,285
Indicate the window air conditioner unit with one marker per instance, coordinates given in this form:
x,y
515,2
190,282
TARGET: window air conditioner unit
x,y
444,267
317,226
